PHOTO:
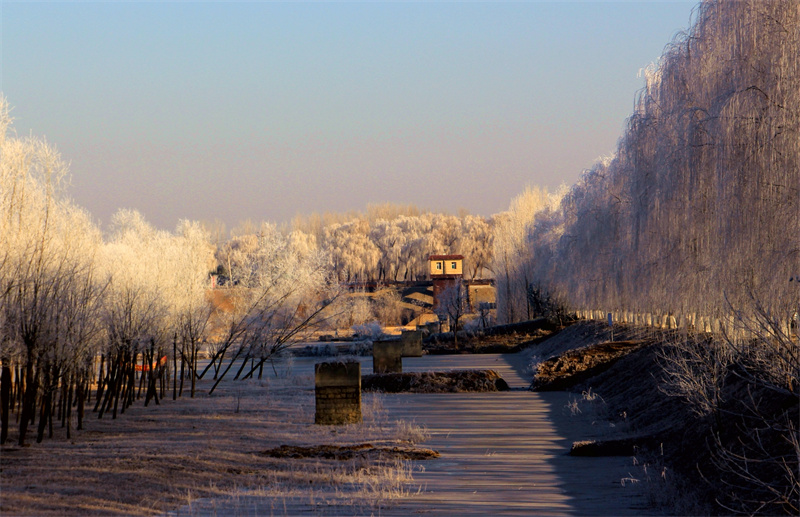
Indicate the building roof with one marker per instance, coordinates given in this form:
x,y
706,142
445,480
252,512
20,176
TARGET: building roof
x,y
446,257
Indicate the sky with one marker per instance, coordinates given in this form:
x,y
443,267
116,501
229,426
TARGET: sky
x,y
265,110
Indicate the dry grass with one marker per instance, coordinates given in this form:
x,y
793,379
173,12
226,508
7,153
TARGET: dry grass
x,y
194,454
452,381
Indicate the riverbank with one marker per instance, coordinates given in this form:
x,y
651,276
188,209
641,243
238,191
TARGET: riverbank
x,y
501,453
161,458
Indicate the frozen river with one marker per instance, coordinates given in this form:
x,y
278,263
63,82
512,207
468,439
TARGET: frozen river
x,y
502,453
505,453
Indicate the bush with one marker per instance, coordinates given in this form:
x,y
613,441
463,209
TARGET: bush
x,y
544,305
368,331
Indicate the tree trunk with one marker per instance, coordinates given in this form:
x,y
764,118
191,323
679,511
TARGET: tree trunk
x,y
152,388
5,401
70,393
100,382
62,410
110,388
45,407
175,367
143,375
27,402
20,389
183,374
193,367
118,388
80,394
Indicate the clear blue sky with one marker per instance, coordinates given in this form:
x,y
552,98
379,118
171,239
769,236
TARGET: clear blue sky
x,y
264,110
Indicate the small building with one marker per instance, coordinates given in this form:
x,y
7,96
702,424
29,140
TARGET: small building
x,y
446,270
446,266
481,293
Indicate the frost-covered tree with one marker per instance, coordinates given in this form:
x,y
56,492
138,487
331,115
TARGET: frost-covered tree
x,y
355,257
388,238
452,305
48,294
388,307
695,222
191,257
475,244
137,311
511,257
276,294
414,249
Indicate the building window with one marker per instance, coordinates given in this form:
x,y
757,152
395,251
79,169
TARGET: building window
x,y
439,266
452,265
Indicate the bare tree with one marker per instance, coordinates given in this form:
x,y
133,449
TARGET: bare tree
x,y
277,295
452,305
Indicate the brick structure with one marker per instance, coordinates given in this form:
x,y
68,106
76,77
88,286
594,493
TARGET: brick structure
x,y
387,357
446,270
338,393
412,343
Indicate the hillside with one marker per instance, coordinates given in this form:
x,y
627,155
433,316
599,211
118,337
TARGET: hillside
x,y
740,456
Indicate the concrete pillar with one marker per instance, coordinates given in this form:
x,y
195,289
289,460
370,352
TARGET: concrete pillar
x,y
338,393
433,327
387,357
412,343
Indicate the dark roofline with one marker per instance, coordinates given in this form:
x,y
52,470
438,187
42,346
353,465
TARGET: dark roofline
x,y
446,257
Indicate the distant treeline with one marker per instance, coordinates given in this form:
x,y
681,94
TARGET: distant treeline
x,y
388,243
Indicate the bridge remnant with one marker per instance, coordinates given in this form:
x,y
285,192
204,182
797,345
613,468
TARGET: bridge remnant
x,y
338,393
387,356
412,343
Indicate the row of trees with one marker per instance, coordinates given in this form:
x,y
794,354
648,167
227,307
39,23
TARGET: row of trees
x,y
698,212
84,314
81,312
695,220
48,252
388,243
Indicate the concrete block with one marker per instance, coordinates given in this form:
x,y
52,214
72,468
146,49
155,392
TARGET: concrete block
x,y
433,327
338,393
387,357
412,343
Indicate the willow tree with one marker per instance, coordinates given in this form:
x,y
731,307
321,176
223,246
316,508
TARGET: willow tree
x,y
511,255
696,219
